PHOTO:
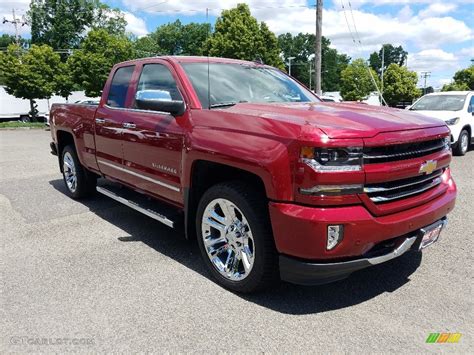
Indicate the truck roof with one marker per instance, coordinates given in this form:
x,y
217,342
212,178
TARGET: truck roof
x,y
195,59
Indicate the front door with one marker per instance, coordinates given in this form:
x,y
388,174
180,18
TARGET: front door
x,y
109,120
153,141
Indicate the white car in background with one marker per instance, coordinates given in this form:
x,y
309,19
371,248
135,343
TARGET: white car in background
x,y
456,109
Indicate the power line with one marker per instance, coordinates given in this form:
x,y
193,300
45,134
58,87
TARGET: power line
x,y
16,22
357,41
425,75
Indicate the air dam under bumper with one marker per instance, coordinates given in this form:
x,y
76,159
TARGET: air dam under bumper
x,y
309,273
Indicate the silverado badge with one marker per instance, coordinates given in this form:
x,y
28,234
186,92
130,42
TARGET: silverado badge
x,y
428,167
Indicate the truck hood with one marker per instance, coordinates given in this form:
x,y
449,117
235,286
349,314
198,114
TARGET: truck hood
x,y
340,120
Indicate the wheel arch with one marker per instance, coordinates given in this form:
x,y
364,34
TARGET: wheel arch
x,y
64,138
206,173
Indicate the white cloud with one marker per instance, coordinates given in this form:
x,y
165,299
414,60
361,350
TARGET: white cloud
x,y
135,25
438,9
467,52
432,60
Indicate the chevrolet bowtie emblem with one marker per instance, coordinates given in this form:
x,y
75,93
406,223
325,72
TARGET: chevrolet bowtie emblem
x,y
428,167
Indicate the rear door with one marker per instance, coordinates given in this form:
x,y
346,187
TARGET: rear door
x,y
153,141
109,120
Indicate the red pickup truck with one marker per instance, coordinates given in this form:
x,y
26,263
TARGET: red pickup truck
x,y
273,182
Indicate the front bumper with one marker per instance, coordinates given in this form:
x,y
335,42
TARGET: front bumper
x,y
310,273
300,231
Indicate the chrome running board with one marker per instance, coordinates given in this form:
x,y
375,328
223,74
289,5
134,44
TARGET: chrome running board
x,y
140,203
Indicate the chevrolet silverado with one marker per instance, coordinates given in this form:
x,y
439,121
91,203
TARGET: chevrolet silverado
x,y
271,181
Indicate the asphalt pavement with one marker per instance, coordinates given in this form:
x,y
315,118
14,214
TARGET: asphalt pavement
x,y
96,276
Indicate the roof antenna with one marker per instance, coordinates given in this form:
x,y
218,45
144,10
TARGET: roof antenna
x,y
208,65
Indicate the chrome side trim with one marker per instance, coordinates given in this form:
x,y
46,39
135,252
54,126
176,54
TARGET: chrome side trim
x,y
139,110
402,249
136,207
434,183
158,182
369,190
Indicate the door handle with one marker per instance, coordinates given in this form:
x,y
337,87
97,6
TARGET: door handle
x,y
129,125
100,120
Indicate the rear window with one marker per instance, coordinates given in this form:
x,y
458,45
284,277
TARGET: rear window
x,y
119,86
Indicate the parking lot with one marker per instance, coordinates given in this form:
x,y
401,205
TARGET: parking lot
x,y
102,277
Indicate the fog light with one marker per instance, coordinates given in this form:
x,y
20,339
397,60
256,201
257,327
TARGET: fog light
x,y
335,235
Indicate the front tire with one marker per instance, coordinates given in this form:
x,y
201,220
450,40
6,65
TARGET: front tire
x,y
462,145
235,237
78,180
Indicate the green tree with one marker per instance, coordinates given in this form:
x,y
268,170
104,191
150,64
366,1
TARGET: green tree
x,y
454,86
237,34
60,24
146,46
301,47
109,19
6,40
30,75
174,38
63,24
91,63
391,54
356,83
399,85
466,77
64,84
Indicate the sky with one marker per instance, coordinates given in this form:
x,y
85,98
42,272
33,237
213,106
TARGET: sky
x,y
438,35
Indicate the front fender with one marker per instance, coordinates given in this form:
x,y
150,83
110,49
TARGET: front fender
x,y
264,156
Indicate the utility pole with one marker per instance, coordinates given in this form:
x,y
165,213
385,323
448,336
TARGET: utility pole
x,y
317,47
16,22
289,64
381,74
383,67
311,71
425,75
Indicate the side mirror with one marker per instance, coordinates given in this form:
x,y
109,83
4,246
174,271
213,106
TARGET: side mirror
x,y
159,100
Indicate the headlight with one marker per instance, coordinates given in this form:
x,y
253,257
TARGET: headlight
x,y
332,159
453,121
447,142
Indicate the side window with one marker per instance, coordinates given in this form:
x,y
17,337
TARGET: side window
x,y
157,81
470,108
119,86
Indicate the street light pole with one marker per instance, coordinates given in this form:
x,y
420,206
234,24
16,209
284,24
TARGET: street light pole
x,y
289,64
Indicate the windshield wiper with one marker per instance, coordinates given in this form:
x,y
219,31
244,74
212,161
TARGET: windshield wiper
x,y
226,104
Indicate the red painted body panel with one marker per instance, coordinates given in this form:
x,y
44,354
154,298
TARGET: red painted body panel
x,y
264,139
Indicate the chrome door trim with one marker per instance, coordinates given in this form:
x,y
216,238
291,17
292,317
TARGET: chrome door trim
x,y
158,182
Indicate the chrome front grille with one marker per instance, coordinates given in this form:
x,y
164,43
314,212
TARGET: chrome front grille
x,y
402,151
395,190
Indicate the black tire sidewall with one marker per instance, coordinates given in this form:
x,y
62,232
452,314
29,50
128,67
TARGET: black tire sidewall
x,y
459,150
260,227
83,183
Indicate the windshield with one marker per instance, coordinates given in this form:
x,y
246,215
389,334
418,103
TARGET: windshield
x,y
440,103
234,83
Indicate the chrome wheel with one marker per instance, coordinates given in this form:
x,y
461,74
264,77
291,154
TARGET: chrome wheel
x,y
69,170
228,239
464,143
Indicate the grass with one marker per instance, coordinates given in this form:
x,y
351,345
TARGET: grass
x,y
19,124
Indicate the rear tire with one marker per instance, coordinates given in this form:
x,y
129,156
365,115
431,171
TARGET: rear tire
x,y
235,237
78,180
462,146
